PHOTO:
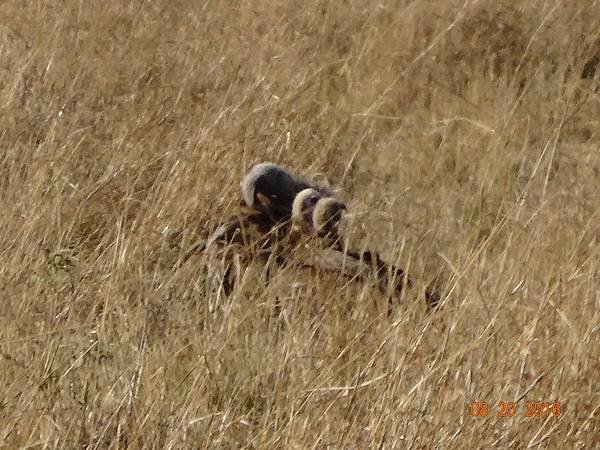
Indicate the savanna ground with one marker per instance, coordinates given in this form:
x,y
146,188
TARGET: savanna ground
x,y
462,135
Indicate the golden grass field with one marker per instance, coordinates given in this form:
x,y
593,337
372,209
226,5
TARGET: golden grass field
x,y
461,134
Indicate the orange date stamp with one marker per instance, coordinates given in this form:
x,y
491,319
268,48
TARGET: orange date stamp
x,y
510,409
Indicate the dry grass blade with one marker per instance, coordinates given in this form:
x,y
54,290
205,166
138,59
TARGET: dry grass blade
x,y
461,136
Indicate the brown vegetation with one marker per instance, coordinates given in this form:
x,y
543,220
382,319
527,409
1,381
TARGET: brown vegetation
x,y
464,139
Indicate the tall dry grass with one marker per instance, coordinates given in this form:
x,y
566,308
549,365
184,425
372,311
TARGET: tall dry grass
x,y
464,138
